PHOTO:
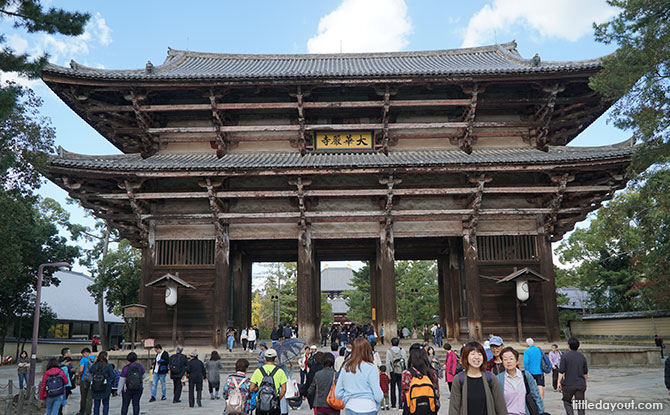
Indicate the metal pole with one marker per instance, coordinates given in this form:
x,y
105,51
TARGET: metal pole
x,y
278,300
36,322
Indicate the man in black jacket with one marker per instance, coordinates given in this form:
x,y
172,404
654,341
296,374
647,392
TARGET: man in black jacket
x,y
177,371
667,374
196,374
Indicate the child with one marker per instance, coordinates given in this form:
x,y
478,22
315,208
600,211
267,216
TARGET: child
x,y
384,383
115,383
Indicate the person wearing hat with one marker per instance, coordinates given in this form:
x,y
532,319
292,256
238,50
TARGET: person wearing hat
x,y
495,364
279,377
195,370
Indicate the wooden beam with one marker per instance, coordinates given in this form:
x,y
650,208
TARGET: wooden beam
x,y
217,122
341,127
466,140
148,143
544,114
252,194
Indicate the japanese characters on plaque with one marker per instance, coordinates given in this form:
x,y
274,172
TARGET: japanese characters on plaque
x,y
339,141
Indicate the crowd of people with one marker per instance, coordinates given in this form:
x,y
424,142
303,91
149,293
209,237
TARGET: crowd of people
x,y
483,379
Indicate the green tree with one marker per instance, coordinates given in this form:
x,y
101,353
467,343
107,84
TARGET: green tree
x,y
621,259
29,238
417,293
637,75
417,298
119,275
30,15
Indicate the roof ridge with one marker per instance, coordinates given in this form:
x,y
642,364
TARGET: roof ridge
x,y
508,46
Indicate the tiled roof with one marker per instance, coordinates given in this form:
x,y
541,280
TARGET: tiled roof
x,y
399,158
179,64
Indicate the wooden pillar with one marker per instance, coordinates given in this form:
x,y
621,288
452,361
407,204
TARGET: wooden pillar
x,y
239,290
374,304
454,281
148,261
444,286
473,295
386,292
316,275
307,320
548,288
221,284
245,302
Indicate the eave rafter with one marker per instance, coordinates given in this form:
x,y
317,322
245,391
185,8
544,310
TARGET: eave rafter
x,y
467,138
544,114
138,207
222,144
149,143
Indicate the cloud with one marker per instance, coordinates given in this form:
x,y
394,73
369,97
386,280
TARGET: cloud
x,y
63,48
363,26
562,19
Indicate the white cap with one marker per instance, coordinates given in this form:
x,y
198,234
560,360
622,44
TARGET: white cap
x,y
270,353
313,347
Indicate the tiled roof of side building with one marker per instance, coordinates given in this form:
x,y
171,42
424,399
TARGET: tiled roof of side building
x,y
399,158
179,64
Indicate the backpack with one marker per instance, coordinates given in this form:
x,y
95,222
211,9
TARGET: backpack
x,y
420,398
545,363
54,385
134,378
177,366
98,381
398,362
531,405
267,400
235,402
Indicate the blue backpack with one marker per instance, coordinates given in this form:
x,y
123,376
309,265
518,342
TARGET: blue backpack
x,y
545,364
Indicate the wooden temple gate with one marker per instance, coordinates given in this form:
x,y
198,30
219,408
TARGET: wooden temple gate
x,y
457,156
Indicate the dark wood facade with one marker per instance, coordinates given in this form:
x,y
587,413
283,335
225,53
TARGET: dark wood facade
x,y
469,167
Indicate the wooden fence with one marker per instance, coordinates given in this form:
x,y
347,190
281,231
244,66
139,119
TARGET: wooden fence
x,y
16,402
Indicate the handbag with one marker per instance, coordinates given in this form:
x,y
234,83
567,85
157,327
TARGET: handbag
x,y
530,401
333,402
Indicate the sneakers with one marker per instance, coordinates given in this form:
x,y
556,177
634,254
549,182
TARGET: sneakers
x,y
163,398
153,399
211,396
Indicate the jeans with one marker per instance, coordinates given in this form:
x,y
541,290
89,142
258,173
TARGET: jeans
x,y
252,345
54,403
198,388
231,340
128,397
105,406
395,386
303,375
23,377
350,412
158,377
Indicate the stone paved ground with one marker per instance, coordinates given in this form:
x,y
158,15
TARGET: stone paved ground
x,y
618,385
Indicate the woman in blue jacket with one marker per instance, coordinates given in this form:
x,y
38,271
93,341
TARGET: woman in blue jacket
x,y
514,382
358,383
101,387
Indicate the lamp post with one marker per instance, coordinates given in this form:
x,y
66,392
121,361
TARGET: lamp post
x,y
275,311
414,292
36,322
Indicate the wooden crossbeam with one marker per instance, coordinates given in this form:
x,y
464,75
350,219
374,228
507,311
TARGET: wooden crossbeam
x,y
341,127
252,194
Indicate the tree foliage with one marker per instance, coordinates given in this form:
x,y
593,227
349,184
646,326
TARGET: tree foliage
x,y
417,298
622,258
263,307
638,74
31,16
29,238
25,138
119,276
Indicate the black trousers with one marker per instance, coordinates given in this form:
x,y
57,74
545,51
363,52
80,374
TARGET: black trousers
x,y
214,386
198,387
395,386
568,393
554,378
129,397
176,395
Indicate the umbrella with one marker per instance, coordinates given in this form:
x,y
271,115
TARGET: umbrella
x,y
288,349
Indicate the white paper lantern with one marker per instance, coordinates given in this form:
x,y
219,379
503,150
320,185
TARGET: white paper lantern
x,y
171,294
522,290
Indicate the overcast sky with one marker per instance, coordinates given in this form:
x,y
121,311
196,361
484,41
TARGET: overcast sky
x,y
125,34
